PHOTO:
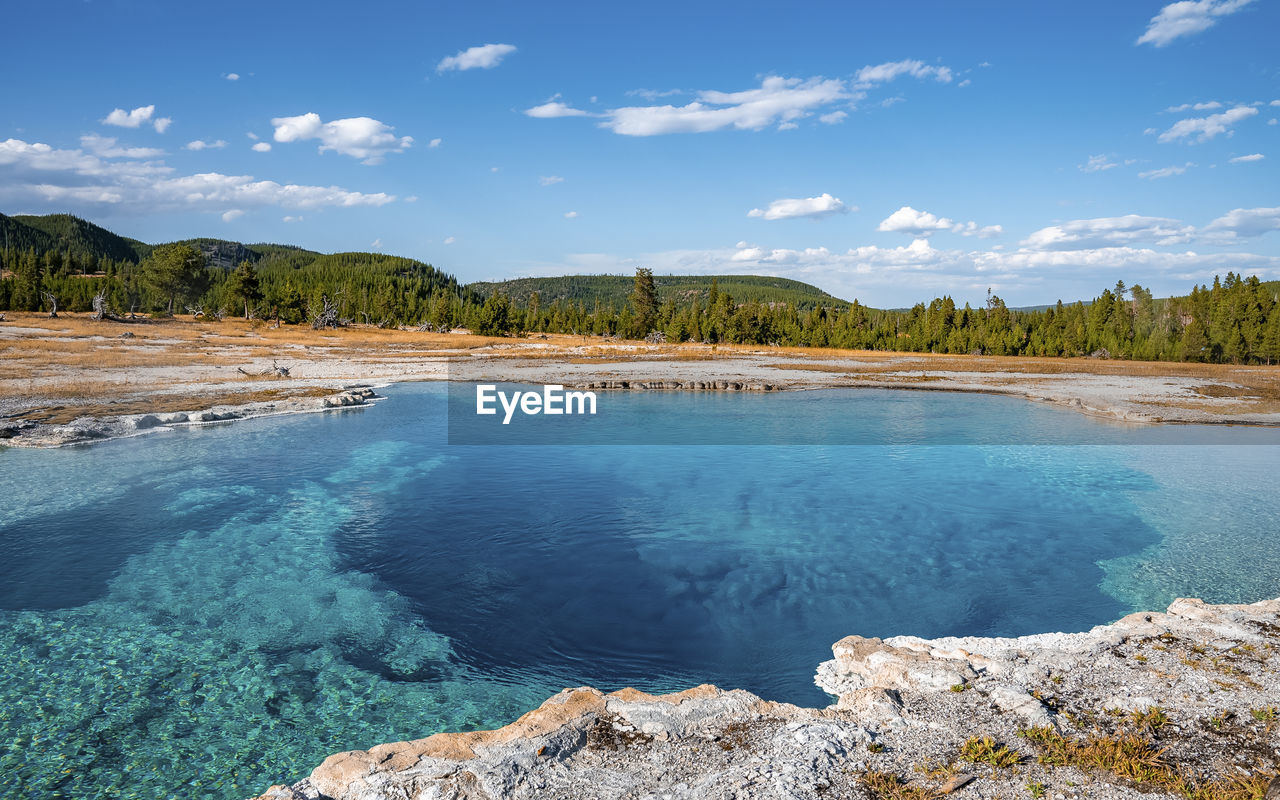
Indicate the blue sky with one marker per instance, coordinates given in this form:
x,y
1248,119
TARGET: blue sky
x,y
885,151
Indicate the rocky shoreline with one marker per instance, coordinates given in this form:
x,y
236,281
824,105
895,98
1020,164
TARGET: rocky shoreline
x,y
1178,704
87,429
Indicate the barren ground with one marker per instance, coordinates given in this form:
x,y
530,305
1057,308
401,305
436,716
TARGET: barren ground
x,y
55,370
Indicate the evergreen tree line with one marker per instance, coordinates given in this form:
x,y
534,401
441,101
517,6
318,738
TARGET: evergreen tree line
x,y
1235,320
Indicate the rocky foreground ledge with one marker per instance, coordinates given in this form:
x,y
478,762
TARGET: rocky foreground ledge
x,y
1180,704
89,428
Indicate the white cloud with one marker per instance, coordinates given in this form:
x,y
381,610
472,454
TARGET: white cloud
x,y
376,244
203,145
359,137
780,102
1196,107
921,224
1245,159
485,56
262,147
1187,17
232,76
449,240
1271,122
252,136
883,73
571,215
129,119
162,124
1098,164
38,172
548,180
413,198
651,94
964,83
555,108
777,101
1205,128
824,205
1165,172
434,143
1084,234
1247,222
291,218
106,147
235,213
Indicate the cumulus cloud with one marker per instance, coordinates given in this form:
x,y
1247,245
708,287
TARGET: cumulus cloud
x,y
548,180
449,240
1205,128
291,218
199,144
883,73
571,215
485,56
834,118
232,76
262,147
922,224
1187,17
434,143
106,147
235,213
1165,172
129,119
1102,232
37,172
359,137
137,118
555,108
1098,164
824,205
1248,158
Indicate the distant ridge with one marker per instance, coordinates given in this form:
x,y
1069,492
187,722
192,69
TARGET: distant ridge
x,y
615,289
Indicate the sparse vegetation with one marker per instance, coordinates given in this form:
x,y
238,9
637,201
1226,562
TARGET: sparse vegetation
x,y
985,750
887,786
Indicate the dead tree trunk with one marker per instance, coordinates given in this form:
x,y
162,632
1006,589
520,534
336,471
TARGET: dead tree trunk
x,y
51,300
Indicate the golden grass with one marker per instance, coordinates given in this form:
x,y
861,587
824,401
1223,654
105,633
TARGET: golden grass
x,y
1135,760
887,786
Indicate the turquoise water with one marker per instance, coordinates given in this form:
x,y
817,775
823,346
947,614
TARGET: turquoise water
x,y
211,610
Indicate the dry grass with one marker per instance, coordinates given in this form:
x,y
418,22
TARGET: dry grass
x,y
887,786
1136,761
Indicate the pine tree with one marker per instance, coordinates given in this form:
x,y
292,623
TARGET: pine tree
x,y
644,298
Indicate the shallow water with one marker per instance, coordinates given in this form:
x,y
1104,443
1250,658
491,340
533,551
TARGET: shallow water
x,y
214,609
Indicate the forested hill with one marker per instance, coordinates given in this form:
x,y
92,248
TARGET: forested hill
x,y
67,234
60,262
613,290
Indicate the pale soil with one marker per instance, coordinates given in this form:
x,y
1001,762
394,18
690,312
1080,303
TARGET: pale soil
x,y
53,371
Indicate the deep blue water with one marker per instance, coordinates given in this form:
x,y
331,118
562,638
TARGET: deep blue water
x,y
214,609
